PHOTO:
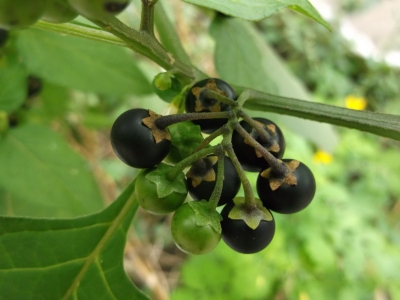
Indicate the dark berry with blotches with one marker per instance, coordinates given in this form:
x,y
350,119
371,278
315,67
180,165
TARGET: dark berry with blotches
x,y
250,159
201,179
196,101
241,238
135,143
293,195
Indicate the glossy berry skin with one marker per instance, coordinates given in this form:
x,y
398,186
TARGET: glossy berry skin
x,y
58,11
288,199
210,125
146,192
133,141
188,236
20,14
3,37
241,238
204,190
97,9
246,154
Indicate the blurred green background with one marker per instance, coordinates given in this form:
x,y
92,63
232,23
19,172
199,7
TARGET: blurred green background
x,y
345,245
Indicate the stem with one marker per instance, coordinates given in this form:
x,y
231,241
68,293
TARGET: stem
x,y
248,191
223,129
179,167
81,30
214,95
147,17
264,135
165,121
274,163
143,43
216,194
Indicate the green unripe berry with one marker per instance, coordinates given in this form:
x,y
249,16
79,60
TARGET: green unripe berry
x,y
58,11
19,14
97,9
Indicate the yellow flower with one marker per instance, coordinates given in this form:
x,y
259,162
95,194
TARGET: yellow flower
x,y
303,296
323,157
357,103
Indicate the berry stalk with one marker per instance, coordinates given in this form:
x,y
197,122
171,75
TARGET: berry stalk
x,y
179,167
165,121
274,163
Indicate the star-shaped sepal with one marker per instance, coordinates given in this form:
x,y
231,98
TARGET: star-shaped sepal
x,y
201,105
202,169
159,176
206,215
159,134
276,179
273,144
251,215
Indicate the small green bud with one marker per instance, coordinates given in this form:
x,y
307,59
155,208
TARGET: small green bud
x,y
163,81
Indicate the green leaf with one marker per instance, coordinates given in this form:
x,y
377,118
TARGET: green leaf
x,y
164,185
257,10
168,35
250,62
381,124
81,64
78,258
13,87
44,177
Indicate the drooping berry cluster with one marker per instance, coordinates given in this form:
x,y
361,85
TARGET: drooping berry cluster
x,y
143,139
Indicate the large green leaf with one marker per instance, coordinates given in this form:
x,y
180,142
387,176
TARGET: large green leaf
x,y
257,10
13,87
42,176
78,258
81,64
243,58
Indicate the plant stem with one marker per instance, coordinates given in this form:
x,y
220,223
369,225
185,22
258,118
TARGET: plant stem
x,y
214,95
216,194
147,17
179,167
222,130
248,191
143,43
264,135
165,121
274,163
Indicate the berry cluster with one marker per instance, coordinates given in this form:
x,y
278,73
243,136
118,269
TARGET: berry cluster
x,y
19,14
143,139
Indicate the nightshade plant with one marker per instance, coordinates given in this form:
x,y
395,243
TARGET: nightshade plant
x,y
77,257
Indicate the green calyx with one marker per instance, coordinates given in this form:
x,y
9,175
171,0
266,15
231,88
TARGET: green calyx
x,y
252,215
206,215
164,185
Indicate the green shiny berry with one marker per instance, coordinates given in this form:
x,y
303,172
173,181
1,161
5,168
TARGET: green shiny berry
x,y
58,11
19,14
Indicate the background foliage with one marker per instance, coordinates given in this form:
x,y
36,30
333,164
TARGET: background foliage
x,y
57,162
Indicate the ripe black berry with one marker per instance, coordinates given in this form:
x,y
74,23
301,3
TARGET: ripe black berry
x,y
287,198
249,158
201,179
197,102
241,238
135,143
